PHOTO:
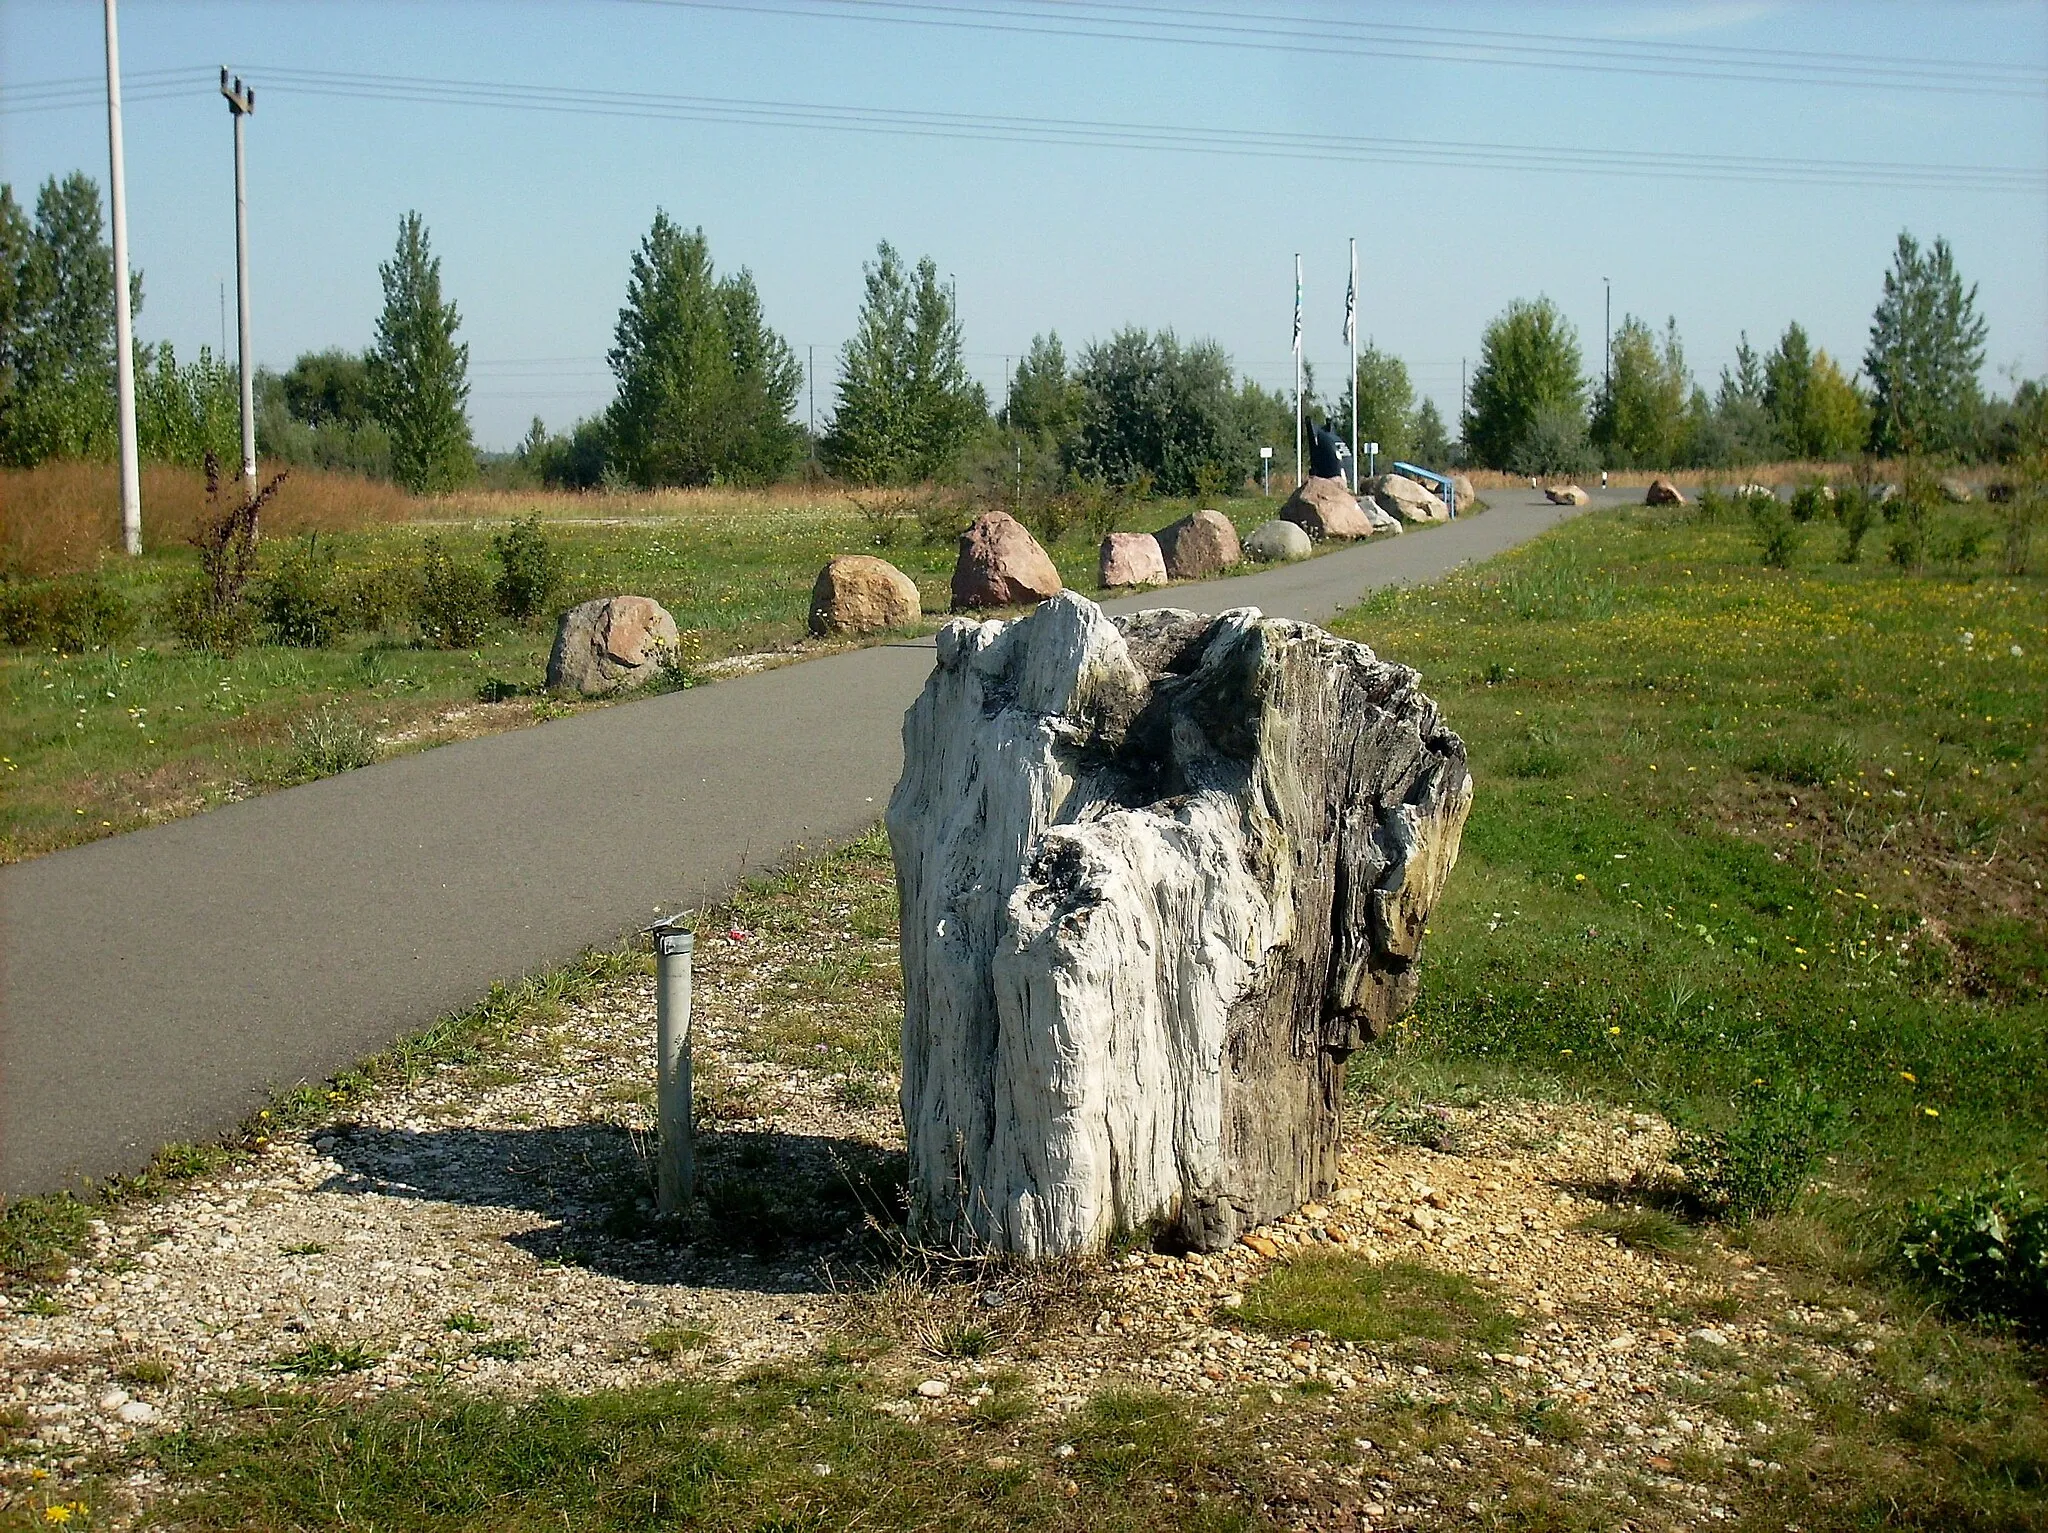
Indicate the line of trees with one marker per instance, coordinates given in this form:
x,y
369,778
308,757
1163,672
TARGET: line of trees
x,y
707,391
1531,409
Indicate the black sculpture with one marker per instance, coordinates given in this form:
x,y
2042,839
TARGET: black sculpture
x,y
1326,454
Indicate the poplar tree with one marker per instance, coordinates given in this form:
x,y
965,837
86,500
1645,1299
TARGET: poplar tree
x,y
419,372
1641,417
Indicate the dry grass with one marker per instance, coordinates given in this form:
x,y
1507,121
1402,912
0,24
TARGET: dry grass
x,y
59,517
1694,478
632,505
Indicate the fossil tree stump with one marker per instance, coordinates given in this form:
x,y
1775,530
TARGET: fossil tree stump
x,y
1159,876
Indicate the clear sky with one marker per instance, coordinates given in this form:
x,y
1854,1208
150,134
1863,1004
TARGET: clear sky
x,y
724,114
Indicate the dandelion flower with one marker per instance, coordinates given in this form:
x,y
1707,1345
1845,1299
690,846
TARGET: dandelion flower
x,y
1930,1112
1578,878
1908,1075
1614,1032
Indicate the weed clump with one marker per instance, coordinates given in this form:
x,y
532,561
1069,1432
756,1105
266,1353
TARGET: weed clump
x,y
327,743
1983,1248
1760,1162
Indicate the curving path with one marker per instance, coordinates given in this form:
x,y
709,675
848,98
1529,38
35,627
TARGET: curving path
x,y
159,985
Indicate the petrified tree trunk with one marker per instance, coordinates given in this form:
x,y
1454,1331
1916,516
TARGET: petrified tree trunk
x,y
1159,877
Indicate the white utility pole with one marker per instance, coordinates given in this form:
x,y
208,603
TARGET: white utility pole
x,y
242,102
124,320
1297,370
1351,334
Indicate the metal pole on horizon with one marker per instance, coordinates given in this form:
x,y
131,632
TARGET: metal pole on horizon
x,y
241,102
1351,335
124,318
1297,369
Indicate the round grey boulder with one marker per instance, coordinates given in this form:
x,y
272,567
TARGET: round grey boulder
x,y
1279,542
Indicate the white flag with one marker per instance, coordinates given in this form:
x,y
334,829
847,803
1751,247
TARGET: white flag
x,y
1297,306
1351,299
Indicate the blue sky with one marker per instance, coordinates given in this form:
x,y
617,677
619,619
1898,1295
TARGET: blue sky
x,y
535,213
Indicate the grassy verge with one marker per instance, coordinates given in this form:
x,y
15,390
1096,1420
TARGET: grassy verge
x,y
104,740
1764,850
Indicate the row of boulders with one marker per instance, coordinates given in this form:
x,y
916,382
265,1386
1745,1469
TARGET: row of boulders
x,y
618,642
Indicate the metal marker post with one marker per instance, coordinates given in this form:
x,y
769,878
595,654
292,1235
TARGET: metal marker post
x,y
124,326
676,1151
1266,469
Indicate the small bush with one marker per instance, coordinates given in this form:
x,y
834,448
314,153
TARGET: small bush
x,y
1049,516
884,511
69,613
2017,515
302,601
1777,535
197,617
1954,542
456,600
941,519
1857,512
1760,1162
529,570
1983,1248
327,743
1714,505
1810,502
382,596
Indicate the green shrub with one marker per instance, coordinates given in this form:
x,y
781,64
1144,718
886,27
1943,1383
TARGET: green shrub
x,y
1759,1163
302,601
1810,502
1907,545
1954,542
2017,516
1714,505
71,612
529,570
1983,1248
327,743
191,612
456,599
941,518
1857,512
383,595
1777,534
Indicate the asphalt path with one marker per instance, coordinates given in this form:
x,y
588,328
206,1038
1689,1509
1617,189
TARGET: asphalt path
x,y
159,986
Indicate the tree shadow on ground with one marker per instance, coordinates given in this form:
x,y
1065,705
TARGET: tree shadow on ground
x,y
773,1210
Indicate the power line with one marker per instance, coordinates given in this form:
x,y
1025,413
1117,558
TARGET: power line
x,y
1103,134
1297,35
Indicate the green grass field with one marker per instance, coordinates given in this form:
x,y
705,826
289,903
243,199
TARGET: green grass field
x,y
111,739
1748,846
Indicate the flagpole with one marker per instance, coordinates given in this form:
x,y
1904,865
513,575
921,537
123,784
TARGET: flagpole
x,y
1351,324
1297,369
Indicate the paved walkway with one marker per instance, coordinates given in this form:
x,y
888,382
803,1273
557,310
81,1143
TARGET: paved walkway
x,y
159,985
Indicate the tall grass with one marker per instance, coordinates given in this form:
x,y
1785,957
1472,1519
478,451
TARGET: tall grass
x,y
61,517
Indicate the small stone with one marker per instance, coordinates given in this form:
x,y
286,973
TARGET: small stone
x,y
1000,1461
934,1389
137,1413
1261,1244
1711,1337
1423,1219
112,1401
1314,1211
1064,1450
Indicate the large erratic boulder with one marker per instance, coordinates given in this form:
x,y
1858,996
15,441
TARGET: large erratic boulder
x,y
1409,499
1159,877
1326,508
858,593
1662,492
1278,542
1130,559
609,644
1467,497
1001,565
1566,495
1201,544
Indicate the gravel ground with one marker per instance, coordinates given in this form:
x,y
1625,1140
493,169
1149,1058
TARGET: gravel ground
x,y
491,1227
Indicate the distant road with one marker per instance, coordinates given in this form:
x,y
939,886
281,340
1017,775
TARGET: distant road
x,y
160,985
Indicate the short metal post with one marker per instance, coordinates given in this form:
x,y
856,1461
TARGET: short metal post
x,y
676,1154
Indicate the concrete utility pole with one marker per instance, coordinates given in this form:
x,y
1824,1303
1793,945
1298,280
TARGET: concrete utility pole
x,y
1607,370
241,103
124,319
811,377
